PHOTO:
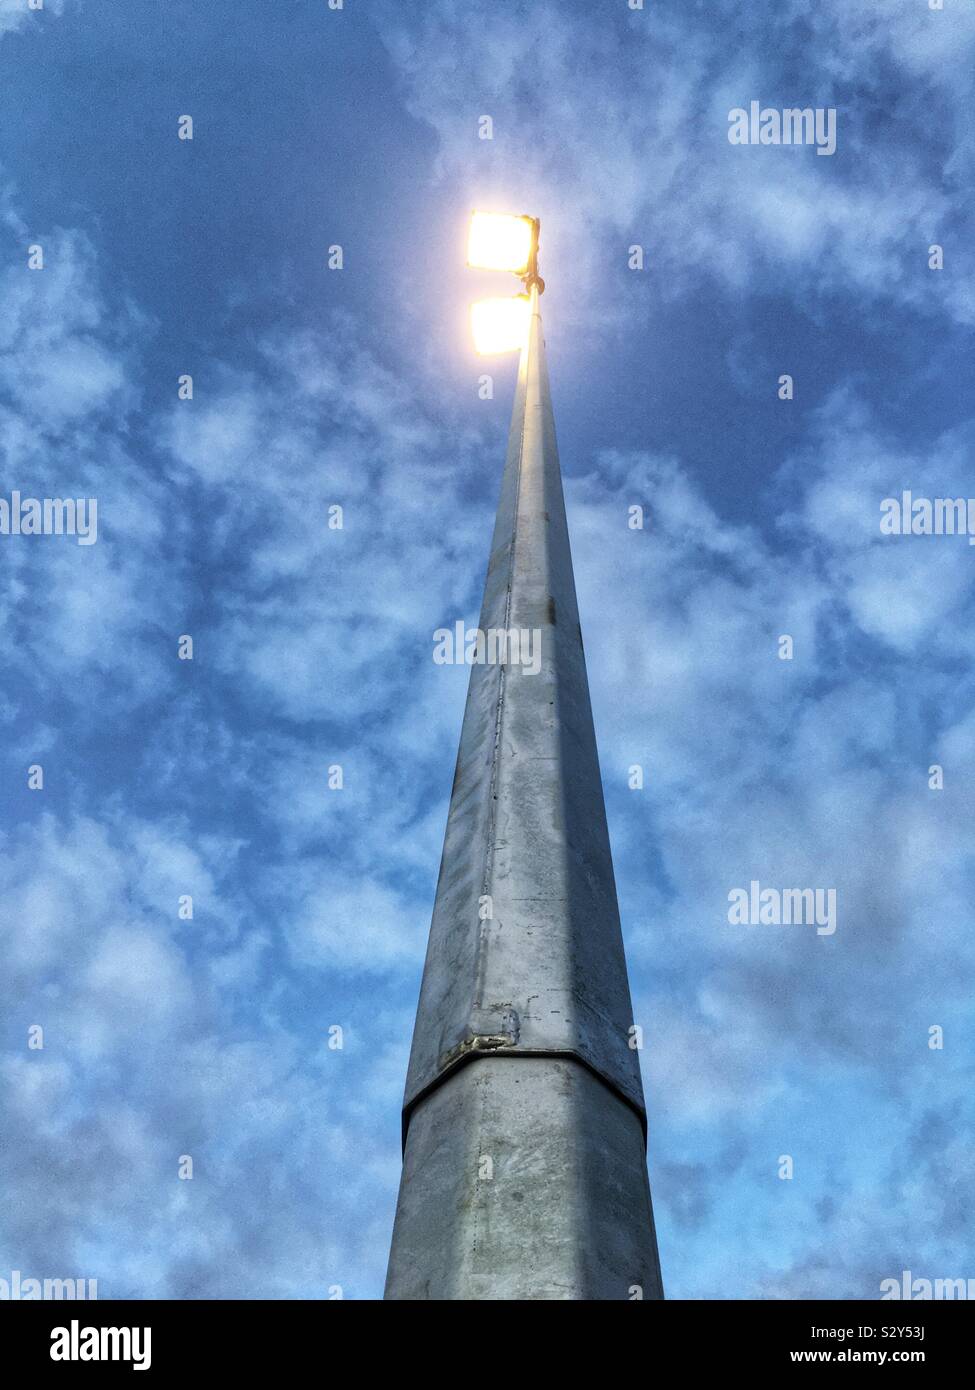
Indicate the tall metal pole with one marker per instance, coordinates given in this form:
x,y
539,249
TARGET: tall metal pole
x,y
524,1171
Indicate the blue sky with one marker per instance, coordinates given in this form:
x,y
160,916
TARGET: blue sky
x,y
165,1037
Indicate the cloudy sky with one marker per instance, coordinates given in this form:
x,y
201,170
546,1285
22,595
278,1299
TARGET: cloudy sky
x,y
312,387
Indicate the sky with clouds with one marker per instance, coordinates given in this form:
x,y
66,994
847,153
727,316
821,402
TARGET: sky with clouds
x,y
313,646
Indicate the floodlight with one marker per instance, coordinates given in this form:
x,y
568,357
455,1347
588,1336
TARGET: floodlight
x,y
499,241
500,325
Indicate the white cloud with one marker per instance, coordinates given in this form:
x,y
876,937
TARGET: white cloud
x,y
638,151
147,1057
15,15
56,363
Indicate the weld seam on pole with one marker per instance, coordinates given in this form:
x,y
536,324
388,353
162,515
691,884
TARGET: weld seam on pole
x,y
513,1054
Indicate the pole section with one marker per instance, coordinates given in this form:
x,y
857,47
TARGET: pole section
x,y
524,1173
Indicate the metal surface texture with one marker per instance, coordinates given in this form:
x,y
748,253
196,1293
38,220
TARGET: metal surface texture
x,y
526,829
524,1178
525,992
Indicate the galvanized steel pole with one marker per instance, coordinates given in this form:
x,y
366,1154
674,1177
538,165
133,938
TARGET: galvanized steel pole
x,y
524,1172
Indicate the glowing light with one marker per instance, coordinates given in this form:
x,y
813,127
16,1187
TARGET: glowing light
x,y
499,241
500,325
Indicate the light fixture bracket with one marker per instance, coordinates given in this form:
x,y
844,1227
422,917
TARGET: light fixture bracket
x,y
531,278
